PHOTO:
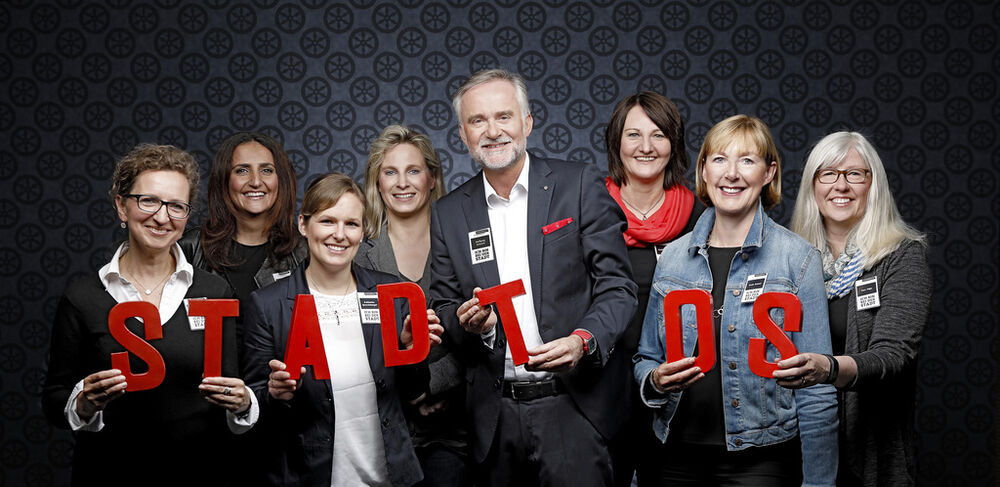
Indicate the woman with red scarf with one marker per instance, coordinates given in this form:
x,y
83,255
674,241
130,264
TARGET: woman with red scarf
x,y
646,164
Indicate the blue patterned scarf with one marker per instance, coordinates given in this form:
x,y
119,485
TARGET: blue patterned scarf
x,y
840,273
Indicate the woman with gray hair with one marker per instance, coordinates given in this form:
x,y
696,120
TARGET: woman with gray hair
x,y
878,288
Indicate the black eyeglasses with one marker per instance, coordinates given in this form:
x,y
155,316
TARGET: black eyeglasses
x,y
853,176
151,204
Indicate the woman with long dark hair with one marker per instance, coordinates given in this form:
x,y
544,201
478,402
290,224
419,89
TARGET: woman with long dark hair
x,y
249,237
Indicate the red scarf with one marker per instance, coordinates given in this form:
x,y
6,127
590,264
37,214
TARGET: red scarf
x,y
664,225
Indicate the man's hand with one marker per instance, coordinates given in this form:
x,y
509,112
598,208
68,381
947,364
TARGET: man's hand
x,y
559,355
475,318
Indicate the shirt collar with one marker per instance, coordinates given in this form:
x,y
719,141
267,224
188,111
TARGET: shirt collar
x,y
520,187
702,229
183,271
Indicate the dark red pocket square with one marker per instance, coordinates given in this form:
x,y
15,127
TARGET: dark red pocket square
x,y
551,227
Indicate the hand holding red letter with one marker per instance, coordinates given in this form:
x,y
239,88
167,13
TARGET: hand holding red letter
x,y
676,376
280,385
475,318
559,355
228,392
99,389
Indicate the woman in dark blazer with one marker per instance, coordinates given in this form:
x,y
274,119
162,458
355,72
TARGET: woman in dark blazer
x,y
845,208
349,430
402,179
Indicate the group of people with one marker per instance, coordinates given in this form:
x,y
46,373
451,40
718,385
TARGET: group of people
x,y
596,403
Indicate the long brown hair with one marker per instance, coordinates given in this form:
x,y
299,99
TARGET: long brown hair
x,y
219,232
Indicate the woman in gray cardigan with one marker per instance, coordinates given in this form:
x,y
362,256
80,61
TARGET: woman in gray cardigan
x,y
878,288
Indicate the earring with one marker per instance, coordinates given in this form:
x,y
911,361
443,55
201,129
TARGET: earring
x,y
123,225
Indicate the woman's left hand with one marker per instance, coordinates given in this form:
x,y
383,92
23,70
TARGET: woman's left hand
x,y
802,370
228,392
433,326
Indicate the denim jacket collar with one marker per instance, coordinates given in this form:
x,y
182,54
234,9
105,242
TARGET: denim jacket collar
x,y
754,238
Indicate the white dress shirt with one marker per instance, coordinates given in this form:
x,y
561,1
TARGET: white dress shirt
x,y
509,227
173,294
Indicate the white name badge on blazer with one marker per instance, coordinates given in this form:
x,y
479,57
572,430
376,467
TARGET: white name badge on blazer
x,y
277,276
481,245
197,323
866,293
753,287
368,304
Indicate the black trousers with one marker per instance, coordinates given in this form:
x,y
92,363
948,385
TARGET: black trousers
x,y
686,464
545,442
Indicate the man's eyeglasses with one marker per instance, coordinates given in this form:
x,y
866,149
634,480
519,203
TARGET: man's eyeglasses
x,y
151,204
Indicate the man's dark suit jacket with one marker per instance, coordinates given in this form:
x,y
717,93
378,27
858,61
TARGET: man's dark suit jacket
x,y
580,278
301,429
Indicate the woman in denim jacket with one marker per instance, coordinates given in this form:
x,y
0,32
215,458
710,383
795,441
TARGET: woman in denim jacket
x,y
726,424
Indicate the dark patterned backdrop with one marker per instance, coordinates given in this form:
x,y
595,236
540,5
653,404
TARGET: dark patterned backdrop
x,y
83,82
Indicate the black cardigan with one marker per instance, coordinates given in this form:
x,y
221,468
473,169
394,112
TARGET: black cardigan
x,y
158,436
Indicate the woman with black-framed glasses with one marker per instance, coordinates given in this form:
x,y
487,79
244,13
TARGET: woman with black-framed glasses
x,y
878,288
157,436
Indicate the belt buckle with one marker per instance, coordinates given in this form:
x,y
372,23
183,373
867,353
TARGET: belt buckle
x,y
513,391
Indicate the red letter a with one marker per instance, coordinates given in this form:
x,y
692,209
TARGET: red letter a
x,y
119,360
757,356
503,296
305,341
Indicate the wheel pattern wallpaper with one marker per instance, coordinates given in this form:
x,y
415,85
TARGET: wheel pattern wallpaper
x,y
82,82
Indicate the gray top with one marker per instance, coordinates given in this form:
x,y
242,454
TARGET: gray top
x,y
877,412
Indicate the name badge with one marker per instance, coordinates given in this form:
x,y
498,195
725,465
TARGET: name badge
x,y
277,276
197,323
658,248
368,304
866,293
753,287
481,246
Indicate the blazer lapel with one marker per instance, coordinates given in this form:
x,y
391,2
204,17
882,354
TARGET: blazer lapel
x,y
476,218
371,331
539,196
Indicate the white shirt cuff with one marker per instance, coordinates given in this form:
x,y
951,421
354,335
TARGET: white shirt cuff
x,y
239,425
76,423
490,337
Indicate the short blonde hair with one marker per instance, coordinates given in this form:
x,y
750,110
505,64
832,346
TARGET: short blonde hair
x,y
153,157
881,229
325,191
392,136
750,135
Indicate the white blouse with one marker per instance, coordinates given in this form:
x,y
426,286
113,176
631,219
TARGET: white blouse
x,y
358,449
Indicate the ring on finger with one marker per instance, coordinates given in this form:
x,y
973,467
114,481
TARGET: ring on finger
x,y
227,391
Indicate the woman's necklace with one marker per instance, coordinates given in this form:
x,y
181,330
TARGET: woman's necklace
x,y
337,300
146,289
643,214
